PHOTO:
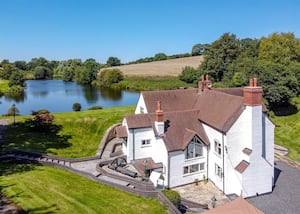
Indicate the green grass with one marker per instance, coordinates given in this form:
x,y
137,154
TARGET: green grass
x,y
287,132
75,134
4,86
43,189
140,83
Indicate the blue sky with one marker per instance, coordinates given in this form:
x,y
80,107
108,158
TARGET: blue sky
x,y
133,29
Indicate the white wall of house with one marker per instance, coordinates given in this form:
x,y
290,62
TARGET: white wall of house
x,y
141,106
213,156
177,164
238,137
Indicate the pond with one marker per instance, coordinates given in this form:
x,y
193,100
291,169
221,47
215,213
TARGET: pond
x,y
59,96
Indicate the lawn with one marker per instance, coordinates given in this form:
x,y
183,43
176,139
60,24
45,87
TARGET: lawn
x,y
43,189
287,132
4,86
75,134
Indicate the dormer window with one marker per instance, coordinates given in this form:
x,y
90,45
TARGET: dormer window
x,y
194,149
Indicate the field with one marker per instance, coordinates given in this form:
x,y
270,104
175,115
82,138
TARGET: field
x,y
43,189
4,85
171,67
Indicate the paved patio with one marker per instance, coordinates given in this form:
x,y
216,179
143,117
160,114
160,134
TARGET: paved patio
x,y
202,193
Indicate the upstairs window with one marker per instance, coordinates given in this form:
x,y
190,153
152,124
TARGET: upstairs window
x,y
218,148
194,149
142,110
146,142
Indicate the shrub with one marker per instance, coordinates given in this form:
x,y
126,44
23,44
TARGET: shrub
x,y
173,196
95,108
41,121
189,75
109,76
76,107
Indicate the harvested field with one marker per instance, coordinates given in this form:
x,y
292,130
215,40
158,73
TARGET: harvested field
x,y
171,67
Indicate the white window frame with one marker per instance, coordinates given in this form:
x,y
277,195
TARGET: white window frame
x,y
187,170
142,110
195,141
146,142
218,148
218,170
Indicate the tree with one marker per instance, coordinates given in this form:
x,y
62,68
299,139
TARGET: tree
x,y
219,56
109,76
21,65
160,56
17,78
42,121
76,107
189,75
42,72
12,111
199,49
113,61
7,70
88,73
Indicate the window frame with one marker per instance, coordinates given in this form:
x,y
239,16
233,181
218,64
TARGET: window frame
x,y
218,147
218,171
145,142
188,170
193,154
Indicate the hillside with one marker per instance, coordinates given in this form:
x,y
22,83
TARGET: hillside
x,y
171,67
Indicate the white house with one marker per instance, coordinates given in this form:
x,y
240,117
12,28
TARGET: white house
x,y
223,135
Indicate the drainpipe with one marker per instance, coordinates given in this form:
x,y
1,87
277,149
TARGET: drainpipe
x,y
208,148
168,170
133,146
223,177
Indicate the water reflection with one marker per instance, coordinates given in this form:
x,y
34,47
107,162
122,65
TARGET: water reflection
x,y
59,96
113,94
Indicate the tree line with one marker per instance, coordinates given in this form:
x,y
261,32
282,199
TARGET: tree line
x,y
274,60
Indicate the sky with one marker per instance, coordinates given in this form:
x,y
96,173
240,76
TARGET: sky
x,y
133,29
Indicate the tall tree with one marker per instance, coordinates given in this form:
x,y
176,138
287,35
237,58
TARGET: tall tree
x,y
113,61
219,56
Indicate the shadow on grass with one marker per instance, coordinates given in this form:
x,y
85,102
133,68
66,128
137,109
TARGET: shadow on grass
x,y
289,109
27,138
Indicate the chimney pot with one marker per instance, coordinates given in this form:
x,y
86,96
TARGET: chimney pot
x,y
159,113
251,82
253,94
254,82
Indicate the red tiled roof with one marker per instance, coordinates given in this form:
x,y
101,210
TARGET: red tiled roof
x,y
247,151
242,166
121,131
236,206
140,165
181,127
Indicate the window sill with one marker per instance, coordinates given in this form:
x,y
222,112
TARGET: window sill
x,y
145,146
194,173
192,159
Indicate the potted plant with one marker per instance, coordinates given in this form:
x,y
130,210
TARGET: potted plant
x,y
204,179
196,181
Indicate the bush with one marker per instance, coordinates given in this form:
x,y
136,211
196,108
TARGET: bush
x,y
95,108
189,75
42,121
173,196
41,111
109,76
76,107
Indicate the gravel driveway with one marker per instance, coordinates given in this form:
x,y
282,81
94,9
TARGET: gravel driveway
x,y
285,197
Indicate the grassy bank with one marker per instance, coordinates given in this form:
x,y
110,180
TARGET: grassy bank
x,y
142,83
287,132
43,189
75,134
4,86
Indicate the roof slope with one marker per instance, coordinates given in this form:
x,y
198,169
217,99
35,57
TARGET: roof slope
x,y
218,108
180,126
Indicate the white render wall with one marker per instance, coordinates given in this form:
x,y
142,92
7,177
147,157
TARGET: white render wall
x,y
140,104
178,161
213,157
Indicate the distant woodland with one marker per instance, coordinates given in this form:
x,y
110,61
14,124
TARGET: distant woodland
x,y
229,61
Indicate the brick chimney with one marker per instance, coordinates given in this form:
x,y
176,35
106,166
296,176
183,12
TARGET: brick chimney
x,y
159,120
204,84
253,93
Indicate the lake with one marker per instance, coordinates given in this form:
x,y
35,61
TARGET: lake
x,y
59,96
